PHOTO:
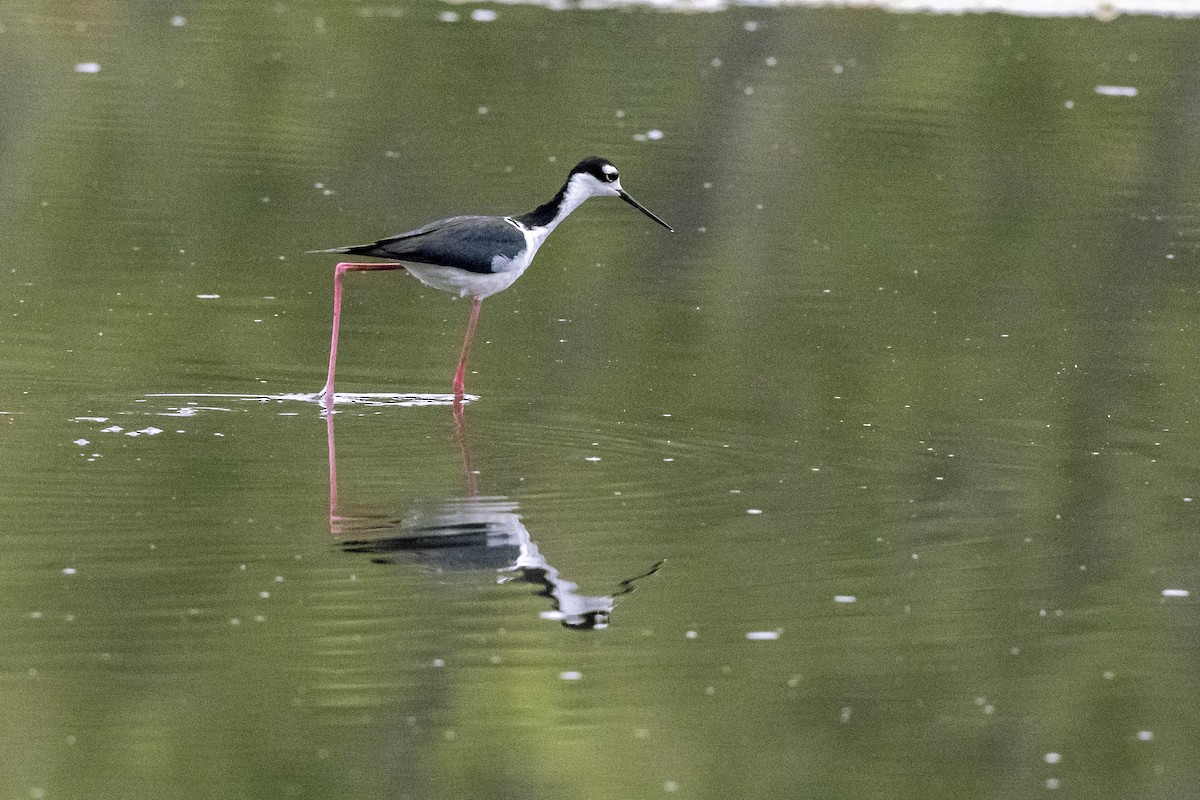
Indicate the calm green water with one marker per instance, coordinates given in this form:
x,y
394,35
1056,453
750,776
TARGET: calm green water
x,y
926,339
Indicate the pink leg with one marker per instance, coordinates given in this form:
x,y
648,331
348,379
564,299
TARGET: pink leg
x,y
460,382
338,271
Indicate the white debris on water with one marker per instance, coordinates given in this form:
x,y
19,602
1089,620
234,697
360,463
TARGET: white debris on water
x,y
81,442
844,598
145,432
762,636
1052,758
570,675
1117,91
208,297
483,15
88,67
1175,593
1145,736
178,21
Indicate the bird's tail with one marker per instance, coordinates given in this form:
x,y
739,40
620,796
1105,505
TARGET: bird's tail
x,y
354,249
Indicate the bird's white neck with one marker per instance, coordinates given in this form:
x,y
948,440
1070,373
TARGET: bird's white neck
x,y
574,193
546,217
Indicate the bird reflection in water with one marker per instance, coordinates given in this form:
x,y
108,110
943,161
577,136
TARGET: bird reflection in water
x,y
469,534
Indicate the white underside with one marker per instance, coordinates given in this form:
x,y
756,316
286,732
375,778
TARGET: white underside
x,y
463,283
477,284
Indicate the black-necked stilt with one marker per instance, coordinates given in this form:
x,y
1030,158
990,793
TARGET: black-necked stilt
x,y
477,256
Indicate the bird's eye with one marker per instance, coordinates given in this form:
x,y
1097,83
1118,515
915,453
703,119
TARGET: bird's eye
x,y
610,176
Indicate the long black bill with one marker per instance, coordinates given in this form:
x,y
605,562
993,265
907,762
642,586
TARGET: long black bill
x,y
625,196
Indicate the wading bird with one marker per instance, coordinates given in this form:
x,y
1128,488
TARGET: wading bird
x,y
474,255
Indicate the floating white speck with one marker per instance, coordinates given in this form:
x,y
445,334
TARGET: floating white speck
x,y
844,598
750,25
1052,758
81,442
91,419
482,110
208,297
439,662
448,16
592,458
69,571
691,634
762,636
1175,593
654,135
754,511
178,21
88,67
1145,736
1117,91
483,15
1052,783
570,675
112,429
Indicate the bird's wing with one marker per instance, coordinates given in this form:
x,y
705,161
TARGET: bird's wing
x,y
469,243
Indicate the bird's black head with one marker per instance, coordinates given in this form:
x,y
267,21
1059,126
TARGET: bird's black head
x,y
599,168
597,177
